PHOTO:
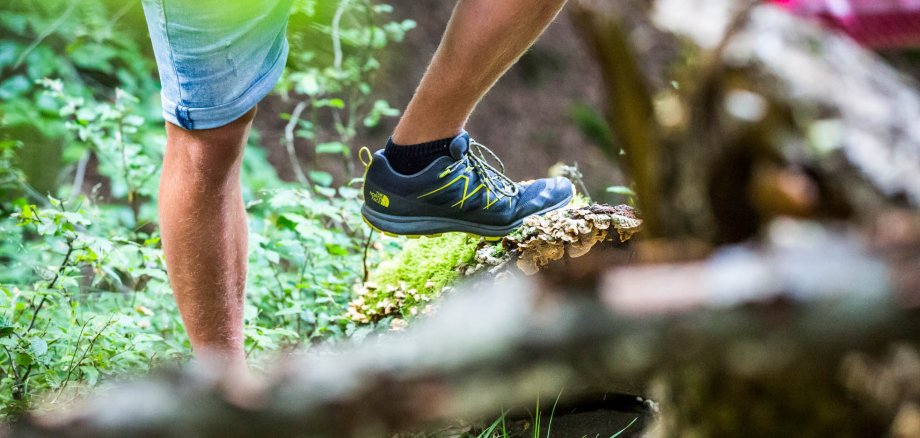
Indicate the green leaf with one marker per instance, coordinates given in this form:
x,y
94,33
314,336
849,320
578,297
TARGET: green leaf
x,y
308,85
90,374
273,257
288,221
336,250
381,109
621,190
334,103
16,23
14,86
325,191
38,346
6,329
348,192
321,178
23,359
9,51
333,147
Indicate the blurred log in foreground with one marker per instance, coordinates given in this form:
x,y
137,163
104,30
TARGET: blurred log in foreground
x,y
774,340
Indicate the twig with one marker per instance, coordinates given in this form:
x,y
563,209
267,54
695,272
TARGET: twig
x,y
54,280
126,171
50,30
367,245
32,192
88,349
336,39
80,174
121,12
289,142
337,64
277,276
251,349
12,363
575,175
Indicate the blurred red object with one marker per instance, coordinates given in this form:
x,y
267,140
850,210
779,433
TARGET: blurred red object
x,y
879,24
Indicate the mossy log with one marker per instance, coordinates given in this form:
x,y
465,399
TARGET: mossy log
x,y
406,285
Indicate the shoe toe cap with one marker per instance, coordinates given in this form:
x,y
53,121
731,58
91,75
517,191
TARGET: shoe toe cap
x,y
545,193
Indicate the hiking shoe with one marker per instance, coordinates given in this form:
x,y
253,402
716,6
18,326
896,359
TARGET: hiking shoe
x,y
457,193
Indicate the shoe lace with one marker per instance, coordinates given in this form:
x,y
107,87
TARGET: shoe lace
x,y
494,179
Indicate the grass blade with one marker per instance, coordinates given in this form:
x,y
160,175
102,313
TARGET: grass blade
x,y
624,429
552,413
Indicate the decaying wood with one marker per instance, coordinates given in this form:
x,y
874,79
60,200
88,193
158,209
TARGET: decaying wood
x,y
565,232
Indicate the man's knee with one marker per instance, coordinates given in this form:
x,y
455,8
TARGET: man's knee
x,y
210,155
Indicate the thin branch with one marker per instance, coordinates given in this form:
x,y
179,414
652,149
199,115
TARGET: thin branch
x,y
367,245
54,280
121,13
126,171
50,30
12,363
33,193
80,174
336,39
86,352
289,141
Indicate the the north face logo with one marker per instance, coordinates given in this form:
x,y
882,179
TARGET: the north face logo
x,y
380,198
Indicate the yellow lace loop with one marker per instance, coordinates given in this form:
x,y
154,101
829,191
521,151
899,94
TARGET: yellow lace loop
x,y
366,157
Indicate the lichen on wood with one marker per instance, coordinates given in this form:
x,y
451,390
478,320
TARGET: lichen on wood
x,y
543,239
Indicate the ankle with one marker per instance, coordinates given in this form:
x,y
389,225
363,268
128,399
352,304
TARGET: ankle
x,y
405,137
408,159
414,128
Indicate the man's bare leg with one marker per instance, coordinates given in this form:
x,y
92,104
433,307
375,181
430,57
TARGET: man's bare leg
x,y
203,223
483,39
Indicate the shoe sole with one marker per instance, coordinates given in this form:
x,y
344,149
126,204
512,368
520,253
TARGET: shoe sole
x,y
414,227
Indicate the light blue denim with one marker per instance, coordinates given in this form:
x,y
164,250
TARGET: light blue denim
x,y
216,58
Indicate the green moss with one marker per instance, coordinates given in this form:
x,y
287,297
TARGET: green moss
x,y
417,274
427,262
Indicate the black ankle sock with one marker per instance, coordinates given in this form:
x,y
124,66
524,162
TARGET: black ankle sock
x,y
409,159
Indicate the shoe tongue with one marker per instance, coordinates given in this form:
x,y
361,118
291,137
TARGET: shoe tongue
x,y
459,145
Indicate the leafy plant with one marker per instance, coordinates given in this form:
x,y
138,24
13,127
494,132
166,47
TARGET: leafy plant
x,y
62,323
308,253
334,81
114,133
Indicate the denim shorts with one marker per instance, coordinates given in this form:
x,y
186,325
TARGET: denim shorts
x,y
216,58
